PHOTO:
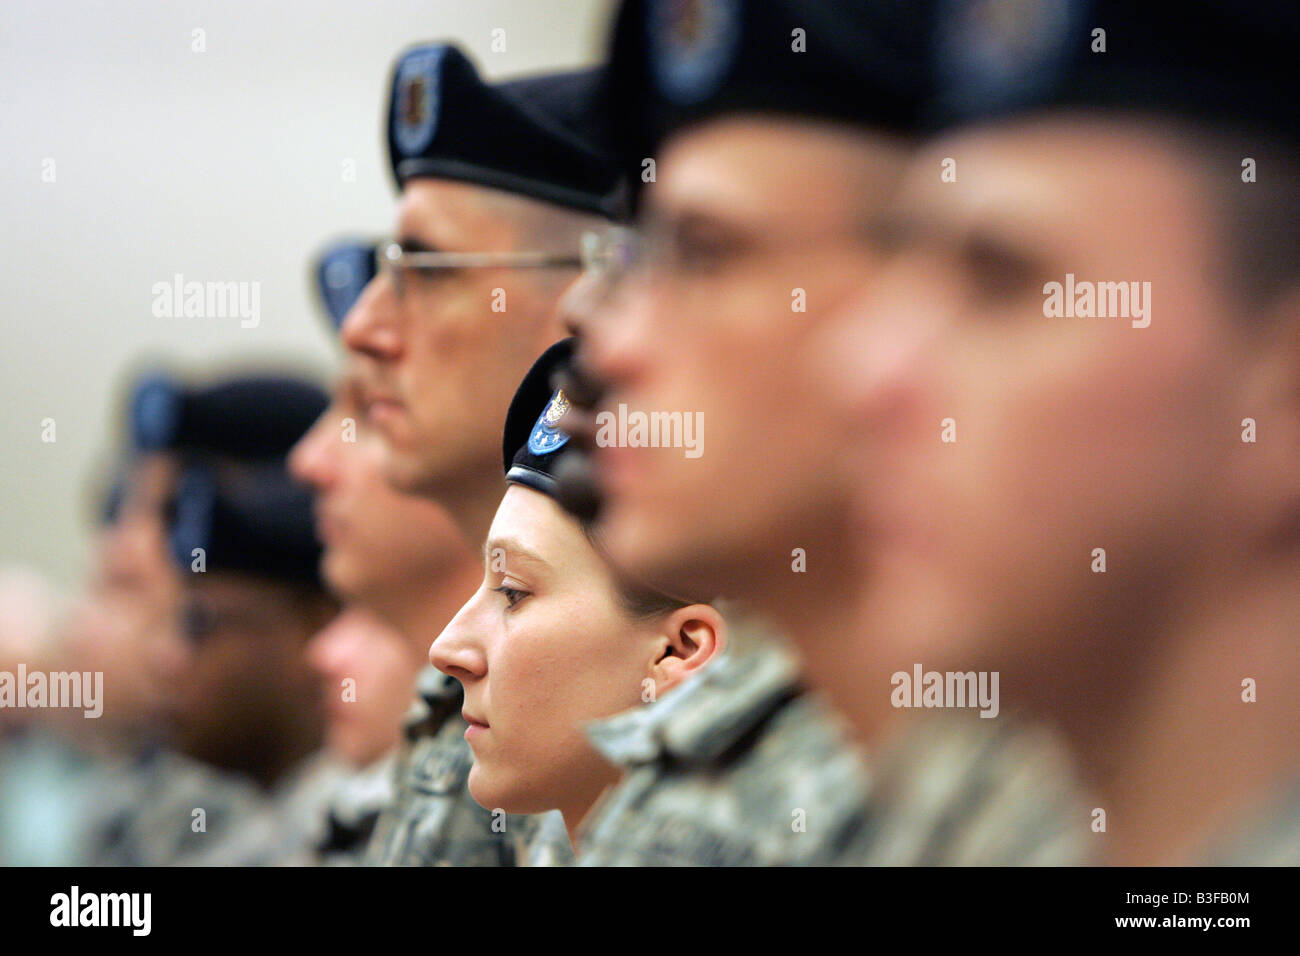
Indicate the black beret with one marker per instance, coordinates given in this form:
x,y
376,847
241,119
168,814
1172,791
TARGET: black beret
x,y
1223,61
538,137
343,269
249,518
253,416
533,445
678,62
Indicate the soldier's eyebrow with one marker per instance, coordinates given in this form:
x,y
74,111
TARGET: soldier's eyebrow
x,y
410,243
514,548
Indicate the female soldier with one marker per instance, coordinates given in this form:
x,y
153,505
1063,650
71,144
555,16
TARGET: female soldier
x,y
554,638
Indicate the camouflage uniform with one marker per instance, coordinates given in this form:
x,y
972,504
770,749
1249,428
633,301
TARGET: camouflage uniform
x,y
353,812
955,789
740,767
433,820
735,767
293,818
1269,837
146,814
548,843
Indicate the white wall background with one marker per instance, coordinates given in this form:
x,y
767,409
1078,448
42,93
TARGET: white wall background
x,y
221,165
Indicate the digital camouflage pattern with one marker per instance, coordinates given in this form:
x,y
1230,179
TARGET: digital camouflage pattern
x,y
955,789
547,844
740,766
353,811
148,815
736,767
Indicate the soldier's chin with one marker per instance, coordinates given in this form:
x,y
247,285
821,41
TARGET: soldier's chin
x,y
404,470
487,790
497,789
342,575
351,746
491,788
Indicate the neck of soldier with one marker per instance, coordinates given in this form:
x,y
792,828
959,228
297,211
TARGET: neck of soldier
x,y
580,803
1209,731
814,608
472,499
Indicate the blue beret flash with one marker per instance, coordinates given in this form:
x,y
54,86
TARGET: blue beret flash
x,y
545,436
156,413
344,271
693,45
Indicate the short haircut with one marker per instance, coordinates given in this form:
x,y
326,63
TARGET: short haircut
x,y
1258,224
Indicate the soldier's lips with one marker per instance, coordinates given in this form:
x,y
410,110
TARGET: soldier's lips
x,y
328,525
383,409
475,727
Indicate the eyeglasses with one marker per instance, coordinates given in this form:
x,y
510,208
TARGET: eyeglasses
x,y
391,256
611,251
614,254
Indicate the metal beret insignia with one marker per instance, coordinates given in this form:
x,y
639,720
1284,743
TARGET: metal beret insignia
x,y
416,100
692,45
545,436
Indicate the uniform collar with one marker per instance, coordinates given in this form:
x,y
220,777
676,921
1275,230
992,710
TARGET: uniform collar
x,y
708,714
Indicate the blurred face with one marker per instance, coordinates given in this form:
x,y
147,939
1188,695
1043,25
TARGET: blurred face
x,y
439,365
756,232
380,545
1071,433
126,622
245,678
367,672
542,648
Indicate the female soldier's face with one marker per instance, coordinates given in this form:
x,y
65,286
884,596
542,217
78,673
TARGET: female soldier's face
x,y
542,648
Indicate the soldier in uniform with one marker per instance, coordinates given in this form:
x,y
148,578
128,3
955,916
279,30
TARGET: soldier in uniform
x,y
498,182
244,699
1103,301
554,637
402,569
771,163
145,811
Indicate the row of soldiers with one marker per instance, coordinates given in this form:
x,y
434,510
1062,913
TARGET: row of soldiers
x,y
770,441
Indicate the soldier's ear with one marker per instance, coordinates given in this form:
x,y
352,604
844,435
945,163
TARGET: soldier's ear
x,y
1269,438
690,637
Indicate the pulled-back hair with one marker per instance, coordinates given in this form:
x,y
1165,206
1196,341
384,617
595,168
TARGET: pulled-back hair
x,y
639,600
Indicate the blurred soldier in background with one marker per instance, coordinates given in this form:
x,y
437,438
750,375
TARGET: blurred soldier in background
x,y
771,163
402,568
40,771
144,808
1104,301
498,182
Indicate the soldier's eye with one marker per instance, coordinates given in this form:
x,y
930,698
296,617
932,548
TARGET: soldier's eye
x,y
705,250
998,271
512,595
424,277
